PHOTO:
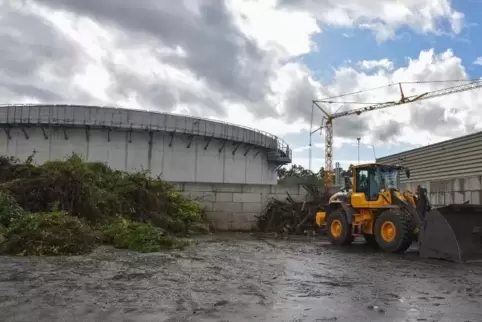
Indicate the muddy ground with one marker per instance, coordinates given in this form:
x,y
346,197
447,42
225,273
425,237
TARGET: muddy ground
x,y
240,278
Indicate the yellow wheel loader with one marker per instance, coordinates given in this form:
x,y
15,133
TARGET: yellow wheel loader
x,y
371,205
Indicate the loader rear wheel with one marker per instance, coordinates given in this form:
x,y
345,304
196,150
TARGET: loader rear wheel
x,y
339,229
392,231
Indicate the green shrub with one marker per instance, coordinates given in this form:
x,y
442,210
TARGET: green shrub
x,y
9,209
138,236
187,210
96,192
54,233
2,234
89,194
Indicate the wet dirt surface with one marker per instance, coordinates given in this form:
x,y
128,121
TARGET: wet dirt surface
x,y
240,278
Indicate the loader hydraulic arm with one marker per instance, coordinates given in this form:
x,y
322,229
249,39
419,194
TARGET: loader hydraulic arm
x,y
422,202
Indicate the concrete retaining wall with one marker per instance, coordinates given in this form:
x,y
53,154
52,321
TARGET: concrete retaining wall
x,y
235,206
458,190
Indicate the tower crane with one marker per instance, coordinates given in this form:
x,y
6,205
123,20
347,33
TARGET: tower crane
x,y
327,121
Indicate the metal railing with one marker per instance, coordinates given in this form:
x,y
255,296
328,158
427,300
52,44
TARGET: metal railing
x,y
66,114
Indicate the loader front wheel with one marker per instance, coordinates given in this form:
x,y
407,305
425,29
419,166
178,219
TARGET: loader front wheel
x,y
392,231
339,229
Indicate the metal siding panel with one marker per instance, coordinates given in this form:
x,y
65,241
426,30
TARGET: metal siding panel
x,y
69,114
450,159
54,112
146,121
92,116
4,114
189,124
203,127
60,114
109,116
423,151
97,116
446,150
123,117
45,114
219,130
170,123
228,132
210,128
17,114
103,117
157,121
161,121
79,115
26,114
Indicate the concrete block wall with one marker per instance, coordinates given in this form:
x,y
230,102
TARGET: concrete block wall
x,y
234,207
457,190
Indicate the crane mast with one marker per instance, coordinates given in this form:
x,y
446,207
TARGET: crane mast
x,y
327,121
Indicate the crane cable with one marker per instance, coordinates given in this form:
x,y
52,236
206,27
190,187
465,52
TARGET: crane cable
x,y
329,101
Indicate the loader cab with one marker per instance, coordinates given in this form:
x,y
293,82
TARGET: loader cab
x,y
370,180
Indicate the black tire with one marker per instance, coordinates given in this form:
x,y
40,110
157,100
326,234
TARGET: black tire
x,y
402,238
345,237
371,240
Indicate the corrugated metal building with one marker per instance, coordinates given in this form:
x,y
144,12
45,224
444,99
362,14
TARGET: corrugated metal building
x,y
450,170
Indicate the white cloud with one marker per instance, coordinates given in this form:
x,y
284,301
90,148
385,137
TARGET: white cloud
x,y
478,61
289,31
429,120
384,18
318,146
374,64
234,60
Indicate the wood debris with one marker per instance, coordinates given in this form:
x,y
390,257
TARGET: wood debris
x,y
292,217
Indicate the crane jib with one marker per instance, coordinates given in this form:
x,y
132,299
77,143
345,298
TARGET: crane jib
x,y
404,100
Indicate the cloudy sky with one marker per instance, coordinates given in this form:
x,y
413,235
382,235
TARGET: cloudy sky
x,y
254,63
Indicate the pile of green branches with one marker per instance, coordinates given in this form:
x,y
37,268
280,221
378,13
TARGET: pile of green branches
x,y
128,210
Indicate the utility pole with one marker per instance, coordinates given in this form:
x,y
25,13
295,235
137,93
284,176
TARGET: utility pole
x,y
311,133
358,139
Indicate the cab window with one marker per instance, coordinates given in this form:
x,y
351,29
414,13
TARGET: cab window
x,y
367,184
362,180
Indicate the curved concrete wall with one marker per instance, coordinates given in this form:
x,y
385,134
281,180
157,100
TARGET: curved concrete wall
x,y
180,148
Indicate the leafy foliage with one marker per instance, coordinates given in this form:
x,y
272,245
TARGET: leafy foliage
x,y
142,237
297,173
9,209
94,191
189,211
52,233
95,195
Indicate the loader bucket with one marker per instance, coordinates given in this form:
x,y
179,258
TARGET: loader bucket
x,y
452,232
